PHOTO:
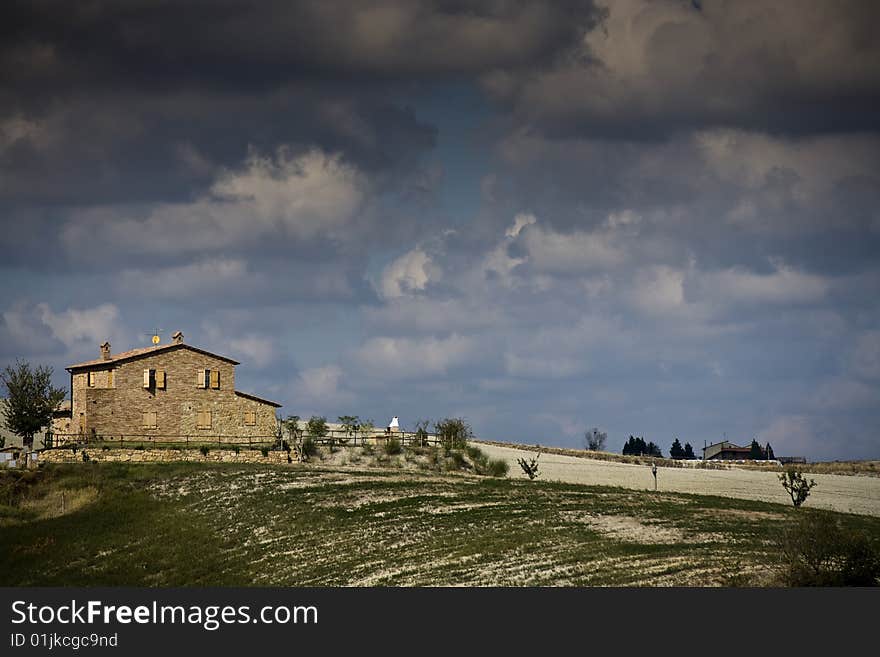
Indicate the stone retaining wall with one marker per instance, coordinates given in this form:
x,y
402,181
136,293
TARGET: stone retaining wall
x,y
164,455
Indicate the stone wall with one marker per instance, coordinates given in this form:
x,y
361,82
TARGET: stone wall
x,y
163,455
119,409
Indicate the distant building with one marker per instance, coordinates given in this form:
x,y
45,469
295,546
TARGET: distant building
x,y
170,390
726,451
9,439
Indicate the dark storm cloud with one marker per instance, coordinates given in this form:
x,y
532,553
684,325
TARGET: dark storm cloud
x,y
660,217
222,43
654,68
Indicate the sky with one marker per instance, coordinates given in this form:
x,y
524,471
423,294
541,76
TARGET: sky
x,y
660,219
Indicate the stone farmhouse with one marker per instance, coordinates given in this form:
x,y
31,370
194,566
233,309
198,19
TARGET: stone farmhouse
x,y
166,391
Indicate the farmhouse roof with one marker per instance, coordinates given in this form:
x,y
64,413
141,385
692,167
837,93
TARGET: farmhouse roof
x,y
143,352
259,399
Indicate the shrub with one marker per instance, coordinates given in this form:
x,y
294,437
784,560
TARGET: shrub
x,y
309,447
453,433
85,456
140,448
236,449
796,485
204,449
420,438
106,448
497,468
392,446
264,451
456,461
816,550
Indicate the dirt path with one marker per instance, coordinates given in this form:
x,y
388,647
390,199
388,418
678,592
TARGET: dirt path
x,y
836,492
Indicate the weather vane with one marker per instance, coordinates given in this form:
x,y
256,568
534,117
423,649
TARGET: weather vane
x,y
155,335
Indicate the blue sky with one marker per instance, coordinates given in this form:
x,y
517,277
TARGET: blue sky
x,y
656,218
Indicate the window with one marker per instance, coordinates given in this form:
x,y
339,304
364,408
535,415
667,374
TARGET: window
x,y
148,378
203,420
160,379
215,379
149,420
250,418
202,379
109,378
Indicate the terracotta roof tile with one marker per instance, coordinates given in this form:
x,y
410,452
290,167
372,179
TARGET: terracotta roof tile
x,y
143,351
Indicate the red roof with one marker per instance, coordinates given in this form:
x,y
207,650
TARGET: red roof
x,y
258,399
143,352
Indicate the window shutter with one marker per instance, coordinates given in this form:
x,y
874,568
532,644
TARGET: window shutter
x,y
250,418
110,378
215,379
160,379
149,419
200,380
146,378
91,379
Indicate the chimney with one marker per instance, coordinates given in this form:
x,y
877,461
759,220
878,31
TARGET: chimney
x,y
177,337
105,351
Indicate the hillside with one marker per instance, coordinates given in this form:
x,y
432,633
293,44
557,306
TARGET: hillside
x,y
199,524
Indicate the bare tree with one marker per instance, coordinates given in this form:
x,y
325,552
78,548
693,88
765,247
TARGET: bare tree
x,y
594,439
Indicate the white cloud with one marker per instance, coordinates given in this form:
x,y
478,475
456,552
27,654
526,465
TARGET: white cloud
x,y
538,367
813,165
785,285
520,221
186,281
555,252
408,274
256,350
659,290
286,197
76,327
403,358
320,382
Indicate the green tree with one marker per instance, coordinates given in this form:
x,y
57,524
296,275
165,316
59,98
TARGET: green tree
x,y
676,451
291,427
689,451
453,432
351,424
755,451
769,452
31,399
796,485
317,427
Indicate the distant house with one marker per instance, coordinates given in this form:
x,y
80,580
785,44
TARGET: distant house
x,y
169,390
726,451
9,456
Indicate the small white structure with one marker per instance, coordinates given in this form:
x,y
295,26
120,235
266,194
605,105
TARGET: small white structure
x,y
394,425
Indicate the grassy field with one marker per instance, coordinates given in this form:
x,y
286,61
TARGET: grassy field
x,y
187,524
